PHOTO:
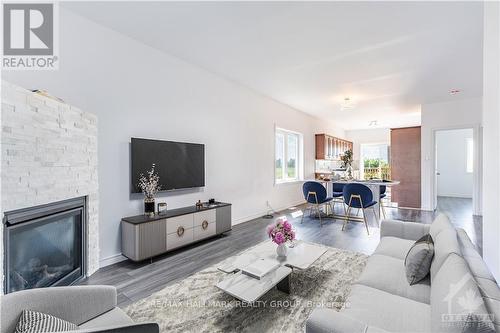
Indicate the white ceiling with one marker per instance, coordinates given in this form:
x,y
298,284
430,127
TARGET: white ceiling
x,y
388,57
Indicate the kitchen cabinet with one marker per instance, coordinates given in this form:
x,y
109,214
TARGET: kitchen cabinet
x,y
329,147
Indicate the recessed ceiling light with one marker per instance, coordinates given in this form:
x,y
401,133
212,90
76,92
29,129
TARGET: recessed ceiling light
x,y
454,91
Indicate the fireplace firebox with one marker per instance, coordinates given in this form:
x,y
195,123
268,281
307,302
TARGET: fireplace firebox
x,y
45,245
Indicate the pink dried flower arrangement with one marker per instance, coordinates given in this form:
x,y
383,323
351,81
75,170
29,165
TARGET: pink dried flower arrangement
x,y
281,231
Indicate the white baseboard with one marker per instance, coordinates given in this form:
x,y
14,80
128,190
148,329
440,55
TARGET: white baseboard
x,y
254,216
111,260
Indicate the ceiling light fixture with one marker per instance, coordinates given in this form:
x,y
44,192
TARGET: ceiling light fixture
x,y
454,91
373,123
347,104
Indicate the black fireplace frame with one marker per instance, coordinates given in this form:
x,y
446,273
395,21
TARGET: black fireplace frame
x,y
25,216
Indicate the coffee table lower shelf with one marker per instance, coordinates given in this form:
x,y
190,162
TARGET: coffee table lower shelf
x,y
249,289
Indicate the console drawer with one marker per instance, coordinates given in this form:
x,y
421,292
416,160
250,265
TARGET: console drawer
x,y
200,232
179,239
185,221
207,215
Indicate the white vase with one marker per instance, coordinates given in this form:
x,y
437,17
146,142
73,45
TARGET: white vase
x,y
281,250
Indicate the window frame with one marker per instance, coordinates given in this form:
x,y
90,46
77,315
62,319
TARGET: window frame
x,y
299,174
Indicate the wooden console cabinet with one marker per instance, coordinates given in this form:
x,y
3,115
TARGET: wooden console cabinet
x,y
144,237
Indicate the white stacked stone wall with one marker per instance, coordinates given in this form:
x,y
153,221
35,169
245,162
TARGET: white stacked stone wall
x,y
49,154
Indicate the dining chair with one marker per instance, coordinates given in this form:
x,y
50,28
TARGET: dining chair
x,y
383,194
337,194
358,196
315,195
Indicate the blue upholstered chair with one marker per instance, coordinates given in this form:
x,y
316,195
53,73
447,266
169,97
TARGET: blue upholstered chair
x,y
315,195
383,194
338,189
338,193
358,196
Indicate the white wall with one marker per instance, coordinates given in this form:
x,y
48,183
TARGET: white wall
x,y
366,136
454,180
491,137
457,114
138,91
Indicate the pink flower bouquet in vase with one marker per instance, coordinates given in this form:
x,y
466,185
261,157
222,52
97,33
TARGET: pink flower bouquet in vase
x,y
280,233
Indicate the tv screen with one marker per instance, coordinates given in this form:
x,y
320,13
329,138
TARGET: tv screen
x,y
179,165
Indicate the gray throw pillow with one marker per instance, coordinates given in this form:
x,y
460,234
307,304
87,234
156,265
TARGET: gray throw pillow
x,y
38,322
418,260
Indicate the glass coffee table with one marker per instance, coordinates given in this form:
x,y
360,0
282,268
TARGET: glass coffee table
x,y
248,289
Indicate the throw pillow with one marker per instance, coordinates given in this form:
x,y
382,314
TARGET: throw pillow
x,y
418,259
38,322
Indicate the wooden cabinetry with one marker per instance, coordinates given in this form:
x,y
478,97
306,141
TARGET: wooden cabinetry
x,y
330,148
406,166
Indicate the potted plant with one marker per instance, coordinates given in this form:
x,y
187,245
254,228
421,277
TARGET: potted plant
x,y
149,185
280,233
346,159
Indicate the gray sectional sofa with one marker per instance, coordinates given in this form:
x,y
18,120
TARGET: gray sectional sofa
x,y
460,295
92,308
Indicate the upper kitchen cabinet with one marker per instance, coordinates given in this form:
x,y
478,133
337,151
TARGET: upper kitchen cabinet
x,y
330,148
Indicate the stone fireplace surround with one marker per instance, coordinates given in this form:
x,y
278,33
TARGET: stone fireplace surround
x,y
48,154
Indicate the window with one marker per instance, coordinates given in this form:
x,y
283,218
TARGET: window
x,y
288,159
470,155
375,161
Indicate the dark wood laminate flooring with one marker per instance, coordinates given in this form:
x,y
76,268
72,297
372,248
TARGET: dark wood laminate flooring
x,y
138,280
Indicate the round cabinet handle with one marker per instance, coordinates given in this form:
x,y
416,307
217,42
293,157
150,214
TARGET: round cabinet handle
x,y
180,231
204,225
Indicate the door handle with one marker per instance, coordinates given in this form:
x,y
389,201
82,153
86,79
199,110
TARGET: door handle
x,y
438,173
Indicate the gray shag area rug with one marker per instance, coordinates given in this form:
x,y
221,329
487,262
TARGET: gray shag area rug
x,y
196,305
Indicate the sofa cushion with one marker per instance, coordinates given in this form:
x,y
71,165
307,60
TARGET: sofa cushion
x,y
388,274
477,265
387,311
445,243
440,223
38,322
490,291
464,239
394,247
456,303
418,260
110,318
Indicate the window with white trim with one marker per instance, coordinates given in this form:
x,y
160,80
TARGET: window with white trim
x,y
470,155
288,159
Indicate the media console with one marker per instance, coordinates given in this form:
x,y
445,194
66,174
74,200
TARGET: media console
x,y
144,237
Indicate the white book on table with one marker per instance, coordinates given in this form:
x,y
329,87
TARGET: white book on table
x,y
259,268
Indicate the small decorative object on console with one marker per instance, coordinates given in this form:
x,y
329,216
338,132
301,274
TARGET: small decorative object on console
x,y
281,232
199,204
149,186
161,207
211,201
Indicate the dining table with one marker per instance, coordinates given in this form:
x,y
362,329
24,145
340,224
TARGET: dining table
x,y
373,184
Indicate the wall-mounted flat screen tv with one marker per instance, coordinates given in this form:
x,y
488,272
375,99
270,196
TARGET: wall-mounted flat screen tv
x,y
179,165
